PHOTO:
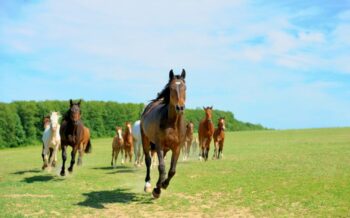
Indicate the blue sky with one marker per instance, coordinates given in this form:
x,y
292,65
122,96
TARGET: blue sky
x,y
284,64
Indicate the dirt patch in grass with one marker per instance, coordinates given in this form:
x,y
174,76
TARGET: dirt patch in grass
x,y
199,206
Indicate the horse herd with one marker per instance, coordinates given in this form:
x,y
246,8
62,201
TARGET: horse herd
x,y
161,128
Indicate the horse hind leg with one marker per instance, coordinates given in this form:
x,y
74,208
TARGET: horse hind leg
x,y
80,157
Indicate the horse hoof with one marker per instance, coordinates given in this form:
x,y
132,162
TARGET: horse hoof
x,y
165,185
155,193
70,169
62,173
148,187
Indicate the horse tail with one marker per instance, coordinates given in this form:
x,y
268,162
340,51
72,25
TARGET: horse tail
x,y
88,147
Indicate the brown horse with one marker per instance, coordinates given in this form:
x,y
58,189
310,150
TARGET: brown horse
x,y
163,129
117,146
73,133
188,140
128,141
205,132
219,138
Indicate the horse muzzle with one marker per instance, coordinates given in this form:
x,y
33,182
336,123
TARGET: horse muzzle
x,y
180,109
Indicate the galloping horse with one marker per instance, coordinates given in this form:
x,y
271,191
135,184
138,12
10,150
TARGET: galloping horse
x,y
219,138
188,140
128,141
46,124
163,129
205,132
51,140
117,146
75,134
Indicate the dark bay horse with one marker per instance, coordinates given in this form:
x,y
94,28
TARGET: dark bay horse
x,y
163,129
75,134
205,132
219,138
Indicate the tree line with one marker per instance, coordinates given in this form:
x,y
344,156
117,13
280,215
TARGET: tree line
x,y
21,122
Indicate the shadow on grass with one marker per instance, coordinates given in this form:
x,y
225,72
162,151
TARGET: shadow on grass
x,y
110,168
127,170
27,171
118,169
98,198
39,179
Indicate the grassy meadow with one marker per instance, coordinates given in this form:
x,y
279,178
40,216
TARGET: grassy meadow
x,y
294,173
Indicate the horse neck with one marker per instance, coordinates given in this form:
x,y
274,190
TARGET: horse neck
x,y
209,124
220,127
174,116
55,133
127,132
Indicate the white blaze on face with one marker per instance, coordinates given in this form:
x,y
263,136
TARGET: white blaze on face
x,y
119,133
54,120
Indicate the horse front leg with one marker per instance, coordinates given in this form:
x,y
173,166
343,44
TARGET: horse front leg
x,y
51,151
72,161
64,158
54,156
162,173
112,157
216,150
148,161
80,157
174,157
45,157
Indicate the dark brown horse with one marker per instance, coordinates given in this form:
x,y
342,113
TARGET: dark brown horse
x,y
163,129
205,132
73,133
128,141
219,138
188,140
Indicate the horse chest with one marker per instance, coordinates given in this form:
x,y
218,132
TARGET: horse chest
x,y
171,137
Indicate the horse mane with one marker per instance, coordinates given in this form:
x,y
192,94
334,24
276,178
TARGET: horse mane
x,y
66,115
163,96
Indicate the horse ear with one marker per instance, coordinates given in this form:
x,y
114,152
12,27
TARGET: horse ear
x,y
183,74
211,108
203,108
79,102
171,74
71,102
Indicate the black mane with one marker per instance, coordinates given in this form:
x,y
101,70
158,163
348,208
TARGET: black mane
x,y
164,95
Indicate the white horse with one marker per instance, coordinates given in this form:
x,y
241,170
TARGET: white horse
x,y
137,143
139,155
51,141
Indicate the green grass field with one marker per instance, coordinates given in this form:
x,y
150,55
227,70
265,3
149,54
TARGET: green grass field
x,y
263,174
